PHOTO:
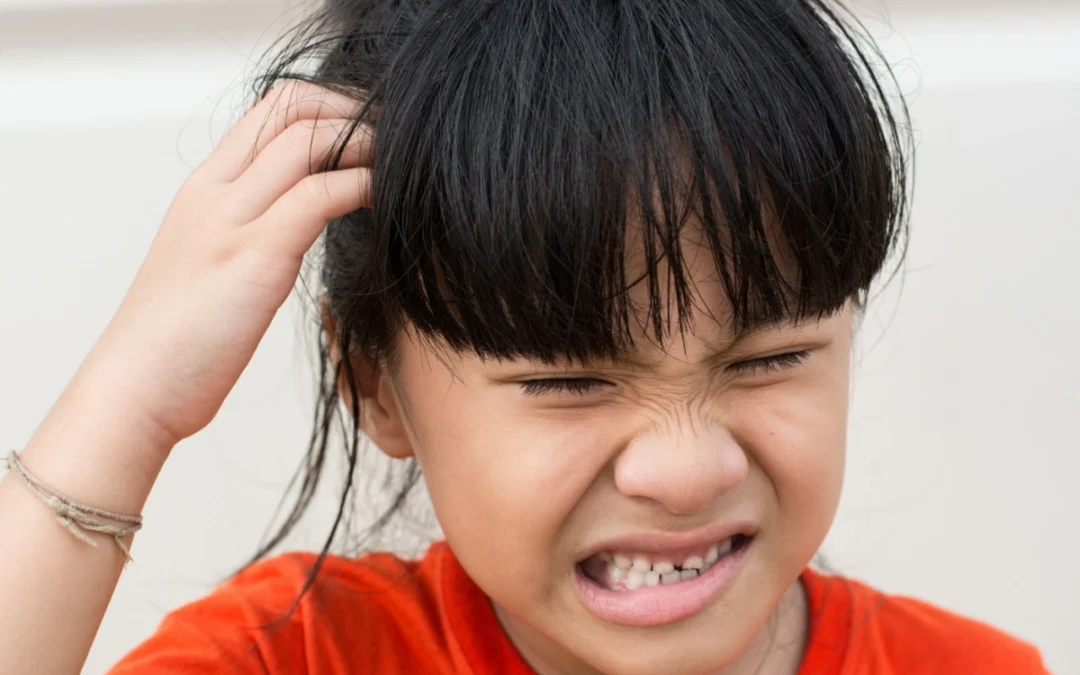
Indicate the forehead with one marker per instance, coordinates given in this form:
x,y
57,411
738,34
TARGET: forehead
x,y
690,294
602,272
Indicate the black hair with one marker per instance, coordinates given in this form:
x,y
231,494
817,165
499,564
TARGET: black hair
x,y
517,141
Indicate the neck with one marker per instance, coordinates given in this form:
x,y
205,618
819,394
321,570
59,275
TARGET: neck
x,y
780,643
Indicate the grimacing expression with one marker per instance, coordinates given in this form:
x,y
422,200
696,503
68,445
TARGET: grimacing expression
x,y
531,467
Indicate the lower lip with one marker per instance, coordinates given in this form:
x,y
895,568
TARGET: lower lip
x,y
658,605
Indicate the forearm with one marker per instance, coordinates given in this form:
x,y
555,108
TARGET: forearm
x,y
225,258
93,448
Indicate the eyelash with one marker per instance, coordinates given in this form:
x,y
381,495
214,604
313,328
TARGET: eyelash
x,y
771,364
560,385
584,385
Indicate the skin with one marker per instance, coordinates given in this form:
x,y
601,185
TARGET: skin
x,y
224,259
673,440
667,439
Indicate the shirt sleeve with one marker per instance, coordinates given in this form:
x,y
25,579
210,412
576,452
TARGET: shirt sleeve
x,y
248,626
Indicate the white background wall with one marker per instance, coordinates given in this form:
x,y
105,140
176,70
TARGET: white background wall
x,y
963,483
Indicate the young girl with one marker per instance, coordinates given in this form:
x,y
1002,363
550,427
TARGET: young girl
x,y
592,266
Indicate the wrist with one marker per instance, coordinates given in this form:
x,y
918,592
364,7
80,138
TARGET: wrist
x,y
96,445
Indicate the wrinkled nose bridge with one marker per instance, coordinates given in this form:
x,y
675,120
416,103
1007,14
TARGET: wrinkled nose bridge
x,y
682,460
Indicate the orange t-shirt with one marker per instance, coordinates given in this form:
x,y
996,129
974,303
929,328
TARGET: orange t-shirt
x,y
380,614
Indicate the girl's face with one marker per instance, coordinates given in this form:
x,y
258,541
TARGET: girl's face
x,y
549,481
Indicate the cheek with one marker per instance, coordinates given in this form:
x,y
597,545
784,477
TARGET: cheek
x,y
801,449
502,482
798,439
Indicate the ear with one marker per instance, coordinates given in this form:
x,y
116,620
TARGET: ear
x,y
382,418
381,415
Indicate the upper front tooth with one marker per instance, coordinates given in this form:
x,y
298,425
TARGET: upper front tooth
x,y
663,566
641,563
621,561
712,555
694,562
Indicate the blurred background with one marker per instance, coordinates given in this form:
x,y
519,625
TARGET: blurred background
x,y
964,453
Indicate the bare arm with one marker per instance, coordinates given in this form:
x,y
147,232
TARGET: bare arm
x,y
55,588
223,262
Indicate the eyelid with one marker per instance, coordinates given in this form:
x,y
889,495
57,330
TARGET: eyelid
x,y
771,363
583,384
561,385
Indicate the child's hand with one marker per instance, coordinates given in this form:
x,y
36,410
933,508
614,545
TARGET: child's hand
x,y
227,255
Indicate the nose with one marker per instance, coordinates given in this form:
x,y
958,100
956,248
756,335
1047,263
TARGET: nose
x,y
683,467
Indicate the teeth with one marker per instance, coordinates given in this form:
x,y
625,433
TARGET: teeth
x,y
694,562
630,572
724,547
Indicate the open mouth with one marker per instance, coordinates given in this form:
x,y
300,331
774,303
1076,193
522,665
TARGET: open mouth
x,y
649,588
627,571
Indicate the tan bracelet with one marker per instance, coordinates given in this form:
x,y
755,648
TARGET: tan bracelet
x,y
78,519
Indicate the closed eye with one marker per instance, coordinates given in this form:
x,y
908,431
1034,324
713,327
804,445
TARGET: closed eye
x,y
587,385
562,385
769,364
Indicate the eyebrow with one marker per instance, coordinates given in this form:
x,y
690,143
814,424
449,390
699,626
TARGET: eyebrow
x,y
766,325
645,359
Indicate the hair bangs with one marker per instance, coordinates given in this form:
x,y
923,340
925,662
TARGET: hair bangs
x,y
520,146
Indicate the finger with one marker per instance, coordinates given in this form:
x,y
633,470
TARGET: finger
x,y
296,219
304,148
270,117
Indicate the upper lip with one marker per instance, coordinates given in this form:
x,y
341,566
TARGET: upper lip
x,y
672,542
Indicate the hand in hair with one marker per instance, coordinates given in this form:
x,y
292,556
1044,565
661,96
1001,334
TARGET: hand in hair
x,y
230,249
224,260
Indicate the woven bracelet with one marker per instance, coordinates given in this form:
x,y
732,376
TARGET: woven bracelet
x,y
76,518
